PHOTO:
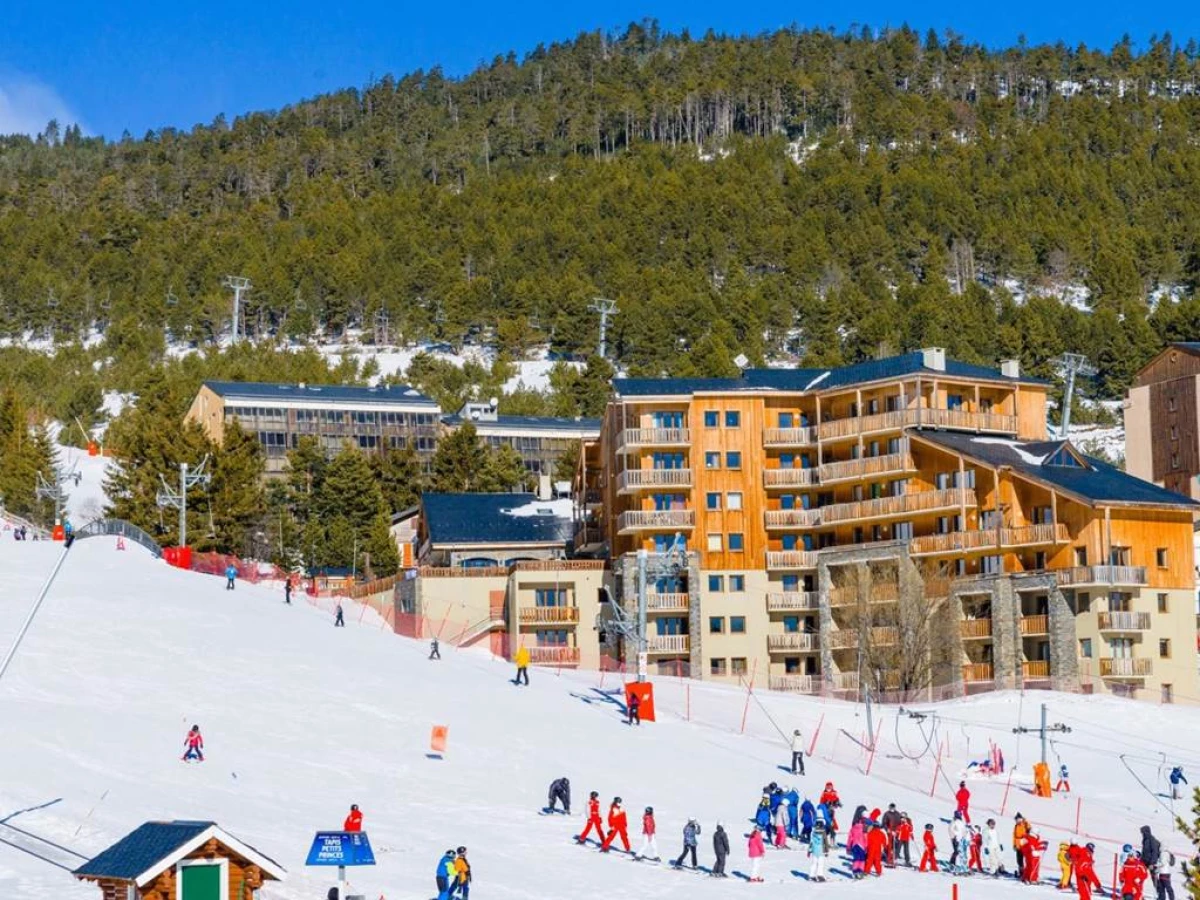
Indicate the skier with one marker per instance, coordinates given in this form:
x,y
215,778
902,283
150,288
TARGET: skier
x,y
690,831
793,812
1064,865
797,753
195,745
877,842
1020,830
1133,876
964,799
353,819
975,861
957,830
1177,779
1034,847
522,661
618,826
825,814
721,851
1085,874
781,820
1064,780
1151,848
634,709
593,820
446,874
762,815
992,849
755,850
856,843
818,849
929,857
462,870
339,620
904,836
560,790
808,817
649,842
1162,877
435,651
829,796
891,824
287,590
230,576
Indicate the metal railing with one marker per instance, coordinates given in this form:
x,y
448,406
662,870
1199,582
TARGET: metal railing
x,y
119,528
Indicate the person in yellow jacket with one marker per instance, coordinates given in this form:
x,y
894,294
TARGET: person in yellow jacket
x,y
462,880
522,660
1064,863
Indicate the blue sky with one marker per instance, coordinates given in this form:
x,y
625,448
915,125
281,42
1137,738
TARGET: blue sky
x,y
121,65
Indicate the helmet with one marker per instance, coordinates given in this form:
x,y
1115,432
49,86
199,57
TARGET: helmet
x,y
594,794
1090,847
649,810
462,851
616,800
354,807
958,814
1128,848
449,853
829,785
797,731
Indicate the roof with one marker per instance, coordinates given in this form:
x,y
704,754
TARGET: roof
x,y
528,423
502,519
813,379
155,846
399,394
1096,481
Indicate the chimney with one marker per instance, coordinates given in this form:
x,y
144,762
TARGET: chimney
x,y
934,358
1010,368
545,489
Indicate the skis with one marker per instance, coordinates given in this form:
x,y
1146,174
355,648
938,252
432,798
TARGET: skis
x,y
547,811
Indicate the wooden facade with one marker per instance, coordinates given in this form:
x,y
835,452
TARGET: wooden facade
x,y
1162,420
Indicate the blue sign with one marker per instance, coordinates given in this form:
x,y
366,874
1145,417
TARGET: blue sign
x,y
340,848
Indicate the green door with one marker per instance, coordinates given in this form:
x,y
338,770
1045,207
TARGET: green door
x,y
200,882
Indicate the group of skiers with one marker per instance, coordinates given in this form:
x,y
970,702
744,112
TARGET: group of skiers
x,y
453,875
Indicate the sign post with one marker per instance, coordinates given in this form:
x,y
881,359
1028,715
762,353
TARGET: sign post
x,y
341,849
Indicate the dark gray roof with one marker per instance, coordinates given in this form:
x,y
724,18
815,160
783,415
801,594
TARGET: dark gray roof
x,y
481,519
546,423
400,394
1190,346
815,379
1099,482
140,850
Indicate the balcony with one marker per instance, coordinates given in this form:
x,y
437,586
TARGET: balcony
x,y
790,518
850,638
1032,626
845,681
668,643
879,594
1036,669
798,684
667,602
889,507
1126,668
977,673
633,439
975,629
789,478
549,615
1104,576
554,656
793,601
789,437
871,466
650,479
793,641
1124,621
920,418
791,559
637,520
953,542
1035,535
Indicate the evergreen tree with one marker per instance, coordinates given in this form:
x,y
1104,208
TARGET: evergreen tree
x,y
235,496
351,506
460,461
399,475
503,471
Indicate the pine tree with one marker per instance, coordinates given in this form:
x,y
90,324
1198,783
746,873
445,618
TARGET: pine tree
x,y
235,496
352,508
502,472
459,461
399,475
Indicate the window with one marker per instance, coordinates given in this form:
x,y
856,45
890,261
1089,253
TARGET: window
x,y
714,543
733,419
941,480
992,565
737,542
1174,460
1160,557
1084,603
954,401
791,624
1171,402
712,501
1162,603
1085,648
716,625
716,666
733,500
733,460
711,420
1164,648
737,624
737,583
1174,432
786,420
712,460
1168,694
550,597
716,583
738,665
1081,556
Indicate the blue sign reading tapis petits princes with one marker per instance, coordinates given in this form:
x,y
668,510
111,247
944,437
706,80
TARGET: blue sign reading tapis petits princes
x,y
340,848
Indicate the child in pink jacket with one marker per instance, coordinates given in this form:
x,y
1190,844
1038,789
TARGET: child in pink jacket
x,y
756,851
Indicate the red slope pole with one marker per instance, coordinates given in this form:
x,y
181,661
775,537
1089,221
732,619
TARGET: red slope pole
x,y
1007,786
749,691
812,748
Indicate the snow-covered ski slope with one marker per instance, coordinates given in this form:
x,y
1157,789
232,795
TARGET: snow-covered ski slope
x,y
302,719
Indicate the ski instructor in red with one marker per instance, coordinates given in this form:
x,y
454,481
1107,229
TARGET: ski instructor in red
x,y
593,819
617,826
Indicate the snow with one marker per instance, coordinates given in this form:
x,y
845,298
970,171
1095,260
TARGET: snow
x,y
560,509
1015,446
85,501
301,720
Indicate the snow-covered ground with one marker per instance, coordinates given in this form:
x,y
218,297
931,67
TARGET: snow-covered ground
x,y
301,720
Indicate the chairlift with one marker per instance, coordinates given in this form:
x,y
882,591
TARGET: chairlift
x,y
212,525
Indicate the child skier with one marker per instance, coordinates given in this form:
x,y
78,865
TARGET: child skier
x,y
829,796
339,618
618,826
793,813
353,819
818,849
593,820
1176,780
1133,876
435,651
762,815
463,871
904,835
957,831
1064,865
856,843
446,874
808,818
992,849
975,863
1085,874
781,820
755,850
929,857
1064,780
230,576
649,843
634,709
195,745
690,831
1162,876
877,841
721,851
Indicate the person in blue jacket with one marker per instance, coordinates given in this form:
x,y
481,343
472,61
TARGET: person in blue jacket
x,y
446,875
808,816
825,814
1177,779
776,797
230,576
793,809
762,816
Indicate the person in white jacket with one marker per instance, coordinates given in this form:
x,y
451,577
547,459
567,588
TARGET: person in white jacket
x,y
992,850
958,829
781,824
797,752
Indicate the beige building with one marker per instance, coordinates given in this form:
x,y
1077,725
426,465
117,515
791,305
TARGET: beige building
x,y
1162,421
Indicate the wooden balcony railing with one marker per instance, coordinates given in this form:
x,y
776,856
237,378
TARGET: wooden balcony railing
x,y
845,681
1034,625
975,673
789,437
907,418
791,559
1124,621
883,507
799,684
789,478
869,466
1037,668
954,541
1126,668
634,438
975,628
1032,535
554,656
1080,576
882,636
793,601
558,565
667,602
655,520
879,594
798,640
790,518
668,643
646,479
549,615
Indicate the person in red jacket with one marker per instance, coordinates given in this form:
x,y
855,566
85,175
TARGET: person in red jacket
x,y
618,826
929,857
877,842
1085,874
194,744
904,835
964,799
1133,875
354,820
829,796
976,856
649,843
593,819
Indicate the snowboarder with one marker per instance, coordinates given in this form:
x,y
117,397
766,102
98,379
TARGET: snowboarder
x,y
690,831
435,651
593,820
1133,876
463,874
618,826
808,818
904,836
755,850
649,843
353,820
287,590
957,831
877,842
1064,780
1177,779
522,661
1085,874
339,620
721,851
194,744
963,797
1162,876
633,709
560,790
781,820
929,857
818,849
230,576
445,875
1151,848
797,753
